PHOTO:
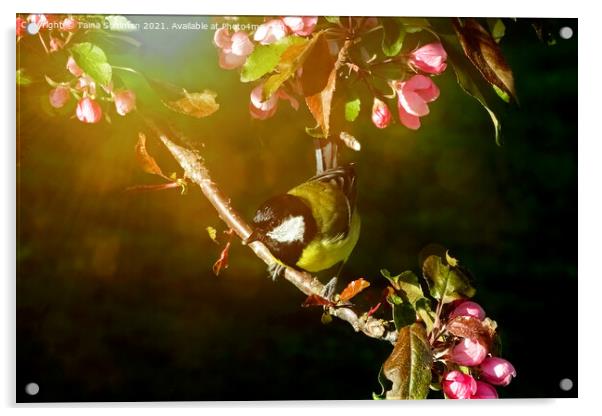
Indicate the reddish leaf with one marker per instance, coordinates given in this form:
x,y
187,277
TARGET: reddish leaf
x,y
315,300
485,54
222,262
473,328
374,309
148,163
353,289
317,67
319,104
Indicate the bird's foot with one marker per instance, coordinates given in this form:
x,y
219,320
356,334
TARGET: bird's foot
x,y
275,270
329,288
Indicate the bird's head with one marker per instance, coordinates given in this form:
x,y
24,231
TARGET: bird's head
x,y
286,225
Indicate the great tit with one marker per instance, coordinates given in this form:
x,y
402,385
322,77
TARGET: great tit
x,y
313,226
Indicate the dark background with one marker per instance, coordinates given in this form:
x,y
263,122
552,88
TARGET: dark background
x,y
116,300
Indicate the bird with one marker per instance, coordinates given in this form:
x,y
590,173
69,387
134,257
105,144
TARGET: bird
x,y
313,226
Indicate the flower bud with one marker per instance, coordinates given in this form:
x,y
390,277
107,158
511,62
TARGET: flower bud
x,y
468,352
457,385
429,58
468,308
88,111
262,109
73,67
381,115
270,32
485,391
497,371
59,96
125,101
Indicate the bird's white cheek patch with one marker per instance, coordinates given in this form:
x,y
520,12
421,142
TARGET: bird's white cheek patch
x,y
289,230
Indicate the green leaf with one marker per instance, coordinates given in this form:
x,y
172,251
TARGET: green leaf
x,y
333,19
497,28
265,58
408,283
446,283
93,61
466,80
409,365
23,78
352,109
120,24
414,24
425,312
403,315
502,94
393,35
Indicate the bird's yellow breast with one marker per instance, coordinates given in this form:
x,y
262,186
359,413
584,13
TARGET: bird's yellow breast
x,y
323,254
330,209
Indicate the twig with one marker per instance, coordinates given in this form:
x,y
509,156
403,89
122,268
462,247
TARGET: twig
x,y
194,168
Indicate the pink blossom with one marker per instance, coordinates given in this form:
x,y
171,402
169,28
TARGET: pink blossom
x,y
88,111
270,32
86,84
468,352
413,96
262,110
468,308
73,67
59,96
457,385
497,371
69,25
21,25
301,25
233,49
429,58
55,44
40,20
381,115
125,101
485,391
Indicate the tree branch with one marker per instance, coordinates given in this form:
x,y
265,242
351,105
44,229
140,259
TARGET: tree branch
x,y
194,167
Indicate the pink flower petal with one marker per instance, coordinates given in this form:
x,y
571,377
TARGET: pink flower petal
x,y
241,44
429,94
408,120
222,39
412,102
230,60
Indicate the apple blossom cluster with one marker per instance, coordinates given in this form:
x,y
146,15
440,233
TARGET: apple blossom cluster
x,y
413,93
471,370
236,47
85,91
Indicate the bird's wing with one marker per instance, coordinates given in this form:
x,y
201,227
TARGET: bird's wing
x,y
344,178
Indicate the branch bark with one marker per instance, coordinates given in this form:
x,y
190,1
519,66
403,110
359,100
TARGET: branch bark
x,y
194,167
